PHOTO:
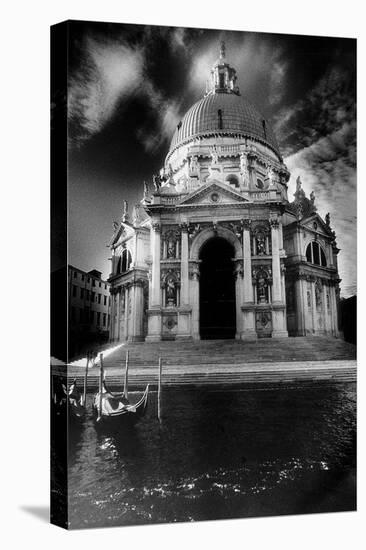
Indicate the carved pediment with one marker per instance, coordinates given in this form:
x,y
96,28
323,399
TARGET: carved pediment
x,y
213,194
315,223
122,232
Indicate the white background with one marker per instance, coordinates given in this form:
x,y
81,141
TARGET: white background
x,y
24,361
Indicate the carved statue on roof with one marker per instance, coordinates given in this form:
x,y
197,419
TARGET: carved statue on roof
x,y
327,219
115,226
270,175
214,156
156,181
298,184
125,211
312,197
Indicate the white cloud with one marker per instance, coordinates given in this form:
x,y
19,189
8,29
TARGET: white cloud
x,y
326,167
110,72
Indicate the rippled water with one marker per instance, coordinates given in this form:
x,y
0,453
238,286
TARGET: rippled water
x,y
218,454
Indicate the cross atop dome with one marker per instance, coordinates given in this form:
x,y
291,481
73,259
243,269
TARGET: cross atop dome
x,y
223,77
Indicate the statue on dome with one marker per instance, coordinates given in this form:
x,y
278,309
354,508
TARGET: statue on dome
x,y
146,190
270,175
298,184
214,156
157,182
125,211
193,166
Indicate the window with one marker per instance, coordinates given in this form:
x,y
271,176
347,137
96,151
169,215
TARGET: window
x,y
99,298
98,317
124,261
219,114
105,300
75,274
93,296
87,294
88,279
93,283
81,293
222,80
232,180
315,254
104,319
74,287
100,284
82,276
105,286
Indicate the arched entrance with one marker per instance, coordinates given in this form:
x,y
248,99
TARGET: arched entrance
x,y
217,290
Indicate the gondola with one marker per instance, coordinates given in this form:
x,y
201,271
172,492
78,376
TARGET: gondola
x,y
71,400
114,408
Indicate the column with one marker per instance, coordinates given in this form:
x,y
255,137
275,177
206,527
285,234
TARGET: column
x,y
300,307
184,311
155,250
276,267
279,325
184,285
126,327
118,302
137,313
154,313
111,326
248,310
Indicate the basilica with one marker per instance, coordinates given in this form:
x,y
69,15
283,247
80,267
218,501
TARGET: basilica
x,y
215,248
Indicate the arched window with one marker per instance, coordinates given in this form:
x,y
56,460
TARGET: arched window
x,y
124,261
232,180
315,254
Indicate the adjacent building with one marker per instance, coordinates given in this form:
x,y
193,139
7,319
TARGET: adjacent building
x,y
89,307
216,249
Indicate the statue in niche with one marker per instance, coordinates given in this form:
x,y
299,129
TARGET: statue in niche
x,y
261,244
318,293
170,291
262,287
171,249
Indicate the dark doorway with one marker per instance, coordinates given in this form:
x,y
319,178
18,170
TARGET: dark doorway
x,y
217,290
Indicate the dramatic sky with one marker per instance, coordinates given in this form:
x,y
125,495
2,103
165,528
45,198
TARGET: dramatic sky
x,y
130,85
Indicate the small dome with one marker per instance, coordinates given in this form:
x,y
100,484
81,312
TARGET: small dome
x,y
224,114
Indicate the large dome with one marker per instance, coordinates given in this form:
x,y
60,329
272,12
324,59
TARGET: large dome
x,y
224,114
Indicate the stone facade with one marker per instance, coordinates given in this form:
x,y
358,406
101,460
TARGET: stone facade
x,y
223,187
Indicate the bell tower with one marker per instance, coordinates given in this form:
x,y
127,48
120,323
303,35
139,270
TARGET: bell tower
x,y
223,77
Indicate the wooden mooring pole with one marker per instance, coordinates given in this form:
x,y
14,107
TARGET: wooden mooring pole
x,y
100,388
160,407
86,379
125,385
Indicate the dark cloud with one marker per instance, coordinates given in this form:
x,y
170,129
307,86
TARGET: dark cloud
x,y
131,84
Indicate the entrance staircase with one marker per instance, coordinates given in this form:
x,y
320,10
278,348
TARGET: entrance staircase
x,y
230,362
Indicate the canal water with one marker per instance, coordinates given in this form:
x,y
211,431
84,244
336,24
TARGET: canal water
x,y
218,454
